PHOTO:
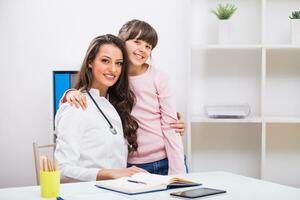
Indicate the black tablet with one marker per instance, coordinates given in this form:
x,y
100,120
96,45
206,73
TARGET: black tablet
x,y
199,192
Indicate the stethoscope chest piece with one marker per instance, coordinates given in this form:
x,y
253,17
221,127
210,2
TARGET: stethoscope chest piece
x,y
113,130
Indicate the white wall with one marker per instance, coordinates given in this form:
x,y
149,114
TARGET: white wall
x,y
37,36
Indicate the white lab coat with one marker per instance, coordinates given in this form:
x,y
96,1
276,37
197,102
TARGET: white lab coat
x,y
85,144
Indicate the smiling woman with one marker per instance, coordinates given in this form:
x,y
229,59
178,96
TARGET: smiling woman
x,y
83,137
106,68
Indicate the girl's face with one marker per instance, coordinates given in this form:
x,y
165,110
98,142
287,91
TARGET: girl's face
x,y
138,51
106,67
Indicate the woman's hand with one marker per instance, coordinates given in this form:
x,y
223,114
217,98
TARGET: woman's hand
x,y
179,125
118,173
75,97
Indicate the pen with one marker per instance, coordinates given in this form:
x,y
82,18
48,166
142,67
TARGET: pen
x,y
59,198
133,181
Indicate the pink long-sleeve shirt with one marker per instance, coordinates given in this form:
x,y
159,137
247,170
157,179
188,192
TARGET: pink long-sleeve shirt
x,y
154,110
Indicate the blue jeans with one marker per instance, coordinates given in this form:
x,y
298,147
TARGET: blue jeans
x,y
185,164
158,167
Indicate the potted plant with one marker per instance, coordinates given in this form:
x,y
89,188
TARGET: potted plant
x,y
223,13
295,27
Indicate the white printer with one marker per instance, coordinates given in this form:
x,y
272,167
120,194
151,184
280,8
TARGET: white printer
x,y
228,111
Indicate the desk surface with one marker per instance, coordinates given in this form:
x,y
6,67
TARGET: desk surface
x,y
237,187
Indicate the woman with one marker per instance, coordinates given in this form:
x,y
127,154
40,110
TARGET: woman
x,y
91,144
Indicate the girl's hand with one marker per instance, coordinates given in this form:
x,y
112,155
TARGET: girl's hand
x,y
118,173
179,125
75,97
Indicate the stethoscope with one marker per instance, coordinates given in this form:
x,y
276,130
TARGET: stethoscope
x,y
111,128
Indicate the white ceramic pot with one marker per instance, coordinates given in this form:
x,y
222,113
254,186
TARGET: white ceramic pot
x,y
295,31
224,31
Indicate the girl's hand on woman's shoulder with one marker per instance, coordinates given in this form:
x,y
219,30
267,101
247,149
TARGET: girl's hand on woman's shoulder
x,y
77,98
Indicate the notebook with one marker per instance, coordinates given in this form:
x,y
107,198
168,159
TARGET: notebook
x,y
144,182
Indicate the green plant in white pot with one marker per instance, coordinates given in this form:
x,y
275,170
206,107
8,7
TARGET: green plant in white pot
x,y
295,27
224,13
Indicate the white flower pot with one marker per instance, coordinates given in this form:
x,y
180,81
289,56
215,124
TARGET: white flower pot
x,y
224,31
295,31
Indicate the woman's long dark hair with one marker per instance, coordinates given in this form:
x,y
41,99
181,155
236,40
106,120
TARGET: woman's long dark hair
x,y
120,94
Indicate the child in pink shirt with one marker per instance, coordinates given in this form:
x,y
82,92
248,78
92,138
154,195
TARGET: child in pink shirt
x,y
160,148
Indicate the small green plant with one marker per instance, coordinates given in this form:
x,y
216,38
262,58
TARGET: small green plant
x,y
295,15
224,11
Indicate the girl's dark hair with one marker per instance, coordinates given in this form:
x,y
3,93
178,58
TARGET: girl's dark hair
x,y
120,94
137,29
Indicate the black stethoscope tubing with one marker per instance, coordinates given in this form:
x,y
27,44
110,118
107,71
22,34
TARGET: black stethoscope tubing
x,y
111,128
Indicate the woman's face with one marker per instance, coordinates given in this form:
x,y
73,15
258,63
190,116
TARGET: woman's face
x,y
106,67
138,51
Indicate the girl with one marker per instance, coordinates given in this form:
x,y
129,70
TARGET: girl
x,y
160,149
91,144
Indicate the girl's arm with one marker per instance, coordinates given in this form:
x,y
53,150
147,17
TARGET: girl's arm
x,y
173,141
74,97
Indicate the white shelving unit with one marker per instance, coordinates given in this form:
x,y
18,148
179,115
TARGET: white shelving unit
x,y
260,68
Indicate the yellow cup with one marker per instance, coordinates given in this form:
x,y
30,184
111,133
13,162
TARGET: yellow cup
x,y
49,184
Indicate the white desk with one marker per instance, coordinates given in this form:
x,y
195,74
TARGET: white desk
x,y
237,187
